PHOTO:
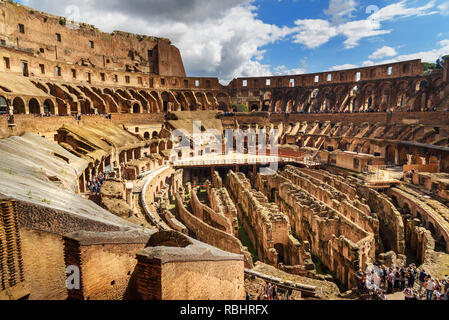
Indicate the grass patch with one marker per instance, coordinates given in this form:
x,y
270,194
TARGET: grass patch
x,y
322,269
246,242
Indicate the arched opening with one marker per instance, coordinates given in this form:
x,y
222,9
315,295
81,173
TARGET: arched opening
x,y
279,247
390,155
273,195
18,106
85,107
34,107
136,108
161,146
254,108
155,135
406,209
4,109
422,85
153,148
146,135
49,107
165,101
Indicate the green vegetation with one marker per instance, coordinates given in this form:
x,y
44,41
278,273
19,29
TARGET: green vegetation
x,y
239,107
46,201
246,242
322,269
62,22
435,66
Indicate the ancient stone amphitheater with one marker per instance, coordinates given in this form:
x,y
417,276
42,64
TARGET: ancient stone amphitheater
x,y
99,199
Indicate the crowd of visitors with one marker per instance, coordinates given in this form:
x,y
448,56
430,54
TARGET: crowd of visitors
x,y
270,292
94,184
378,282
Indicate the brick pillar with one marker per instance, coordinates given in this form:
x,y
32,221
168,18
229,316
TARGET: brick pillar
x,y
12,278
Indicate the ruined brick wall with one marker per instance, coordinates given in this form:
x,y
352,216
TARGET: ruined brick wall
x,y
419,241
426,118
208,215
446,71
379,72
391,225
12,275
217,182
49,125
206,233
267,227
44,265
221,202
118,50
395,87
333,231
188,281
106,265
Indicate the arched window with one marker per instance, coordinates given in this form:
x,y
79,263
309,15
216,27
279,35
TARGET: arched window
x,y
18,106
4,109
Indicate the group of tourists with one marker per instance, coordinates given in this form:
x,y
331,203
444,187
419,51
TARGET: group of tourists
x,y
271,292
378,282
94,184
409,175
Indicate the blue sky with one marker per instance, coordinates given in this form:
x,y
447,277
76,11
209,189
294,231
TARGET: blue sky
x,y
408,35
233,38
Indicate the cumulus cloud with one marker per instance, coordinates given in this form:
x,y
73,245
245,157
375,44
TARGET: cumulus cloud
x,y
425,56
315,32
383,52
444,8
340,10
216,38
344,67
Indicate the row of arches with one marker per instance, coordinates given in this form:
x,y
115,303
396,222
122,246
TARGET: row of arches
x,y
33,106
91,100
372,96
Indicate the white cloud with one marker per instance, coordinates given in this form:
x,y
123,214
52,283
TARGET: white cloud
x,y
383,52
425,56
344,67
368,63
339,10
444,8
216,38
315,32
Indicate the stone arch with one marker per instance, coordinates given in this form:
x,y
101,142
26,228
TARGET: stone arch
x,y
86,106
390,154
34,106
279,247
254,108
49,107
18,106
421,84
166,102
4,108
136,108
153,147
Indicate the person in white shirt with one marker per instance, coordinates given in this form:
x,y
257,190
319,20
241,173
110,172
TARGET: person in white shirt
x,y
430,288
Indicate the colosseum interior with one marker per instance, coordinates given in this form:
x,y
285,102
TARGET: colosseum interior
x,y
349,169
